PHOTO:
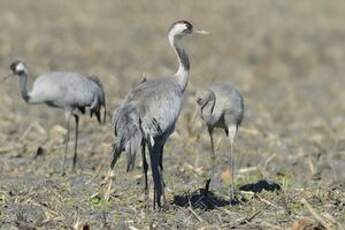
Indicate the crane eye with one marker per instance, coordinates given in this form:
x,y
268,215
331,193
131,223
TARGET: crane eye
x,y
188,30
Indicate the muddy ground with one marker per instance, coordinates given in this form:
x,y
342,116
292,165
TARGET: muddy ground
x,y
288,60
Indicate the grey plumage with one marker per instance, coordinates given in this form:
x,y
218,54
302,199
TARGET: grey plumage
x,y
222,107
127,129
67,90
149,113
99,100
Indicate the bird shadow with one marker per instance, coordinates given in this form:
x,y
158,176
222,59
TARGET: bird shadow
x,y
199,199
202,198
261,185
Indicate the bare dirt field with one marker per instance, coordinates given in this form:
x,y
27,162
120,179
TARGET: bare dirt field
x,y
286,57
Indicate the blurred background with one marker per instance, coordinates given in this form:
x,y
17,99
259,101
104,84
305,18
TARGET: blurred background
x,y
287,58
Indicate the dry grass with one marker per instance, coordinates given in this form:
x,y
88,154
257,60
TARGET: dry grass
x,y
287,58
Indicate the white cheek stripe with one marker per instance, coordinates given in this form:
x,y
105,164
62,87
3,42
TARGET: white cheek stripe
x,y
20,67
178,28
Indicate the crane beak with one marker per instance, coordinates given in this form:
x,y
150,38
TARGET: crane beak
x,y
203,32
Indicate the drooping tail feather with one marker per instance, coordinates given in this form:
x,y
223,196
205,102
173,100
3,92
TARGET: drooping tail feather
x,y
128,133
97,112
99,100
104,113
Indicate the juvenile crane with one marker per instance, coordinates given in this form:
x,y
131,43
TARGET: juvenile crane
x,y
149,113
222,107
69,91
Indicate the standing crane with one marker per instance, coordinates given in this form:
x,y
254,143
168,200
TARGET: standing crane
x,y
222,107
148,115
69,91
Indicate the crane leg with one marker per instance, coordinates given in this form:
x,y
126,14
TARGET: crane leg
x,y
161,175
145,168
213,157
232,130
109,178
76,141
155,158
68,115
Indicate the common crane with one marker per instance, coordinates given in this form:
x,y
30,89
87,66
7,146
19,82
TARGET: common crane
x,y
69,91
222,107
149,112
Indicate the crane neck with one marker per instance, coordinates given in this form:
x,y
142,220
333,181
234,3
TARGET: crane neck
x,y
207,109
182,72
23,80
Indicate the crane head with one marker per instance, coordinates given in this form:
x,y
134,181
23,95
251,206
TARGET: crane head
x,y
18,67
202,97
182,28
